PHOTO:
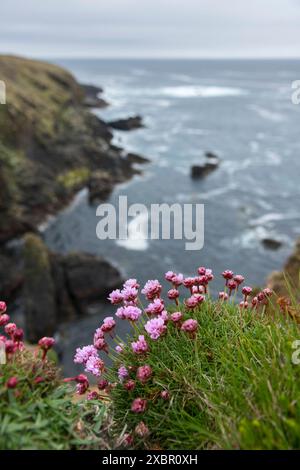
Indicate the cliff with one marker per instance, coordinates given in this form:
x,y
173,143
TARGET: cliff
x,y
290,275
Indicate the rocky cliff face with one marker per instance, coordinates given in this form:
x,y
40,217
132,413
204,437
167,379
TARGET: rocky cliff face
x,y
51,145
291,274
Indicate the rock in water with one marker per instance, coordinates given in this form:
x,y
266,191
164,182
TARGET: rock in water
x,y
128,124
211,163
271,243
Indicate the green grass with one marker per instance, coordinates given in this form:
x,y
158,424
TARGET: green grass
x,y
45,416
233,387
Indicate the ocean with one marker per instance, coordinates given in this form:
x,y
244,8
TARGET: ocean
x,y
240,110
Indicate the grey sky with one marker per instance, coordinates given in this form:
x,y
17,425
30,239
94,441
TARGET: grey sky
x,y
150,28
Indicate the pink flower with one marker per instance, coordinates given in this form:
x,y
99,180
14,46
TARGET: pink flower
x,y
189,282
141,429
177,280
232,285
165,395
128,440
169,275
99,340
94,365
83,354
129,385
223,296
119,348
173,294
268,292
132,283
254,302
81,388
239,279
140,346
193,301
10,346
3,307
246,291
244,304
92,395
156,307
115,297
227,274
155,327
209,275
129,294
10,328
261,297
139,405
189,325
45,344
152,289
201,271
12,382
102,384
108,324
176,317
130,312
164,315
122,373
18,335
144,373
4,319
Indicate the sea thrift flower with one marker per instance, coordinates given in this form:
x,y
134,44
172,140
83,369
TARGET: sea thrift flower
x,y
103,384
3,307
45,344
189,282
122,373
189,325
164,315
108,324
244,304
115,297
4,319
139,405
261,297
232,285
239,279
198,289
129,385
156,307
176,317
12,382
223,296
92,395
169,275
83,354
177,280
152,289
267,292
81,388
119,348
94,365
128,440
140,346
144,373
18,335
99,340
173,294
165,395
155,327
10,346
209,275
227,275
246,291
130,312
141,429
129,294
132,283
192,301
201,271
254,302
10,328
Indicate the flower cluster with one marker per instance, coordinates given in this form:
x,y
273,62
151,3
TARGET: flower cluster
x,y
153,322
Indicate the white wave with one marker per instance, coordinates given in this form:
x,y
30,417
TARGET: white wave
x,y
274,217
268,114
190,91
273,158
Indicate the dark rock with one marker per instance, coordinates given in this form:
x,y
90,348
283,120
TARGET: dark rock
x,y
128,124
11,274
39,290
89,277
287,281
211,164
100,186
92,98
271,243
135,158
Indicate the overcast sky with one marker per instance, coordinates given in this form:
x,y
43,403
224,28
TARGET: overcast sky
x,y
150,28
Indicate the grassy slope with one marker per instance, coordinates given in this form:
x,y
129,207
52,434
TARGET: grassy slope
x,y
234,387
